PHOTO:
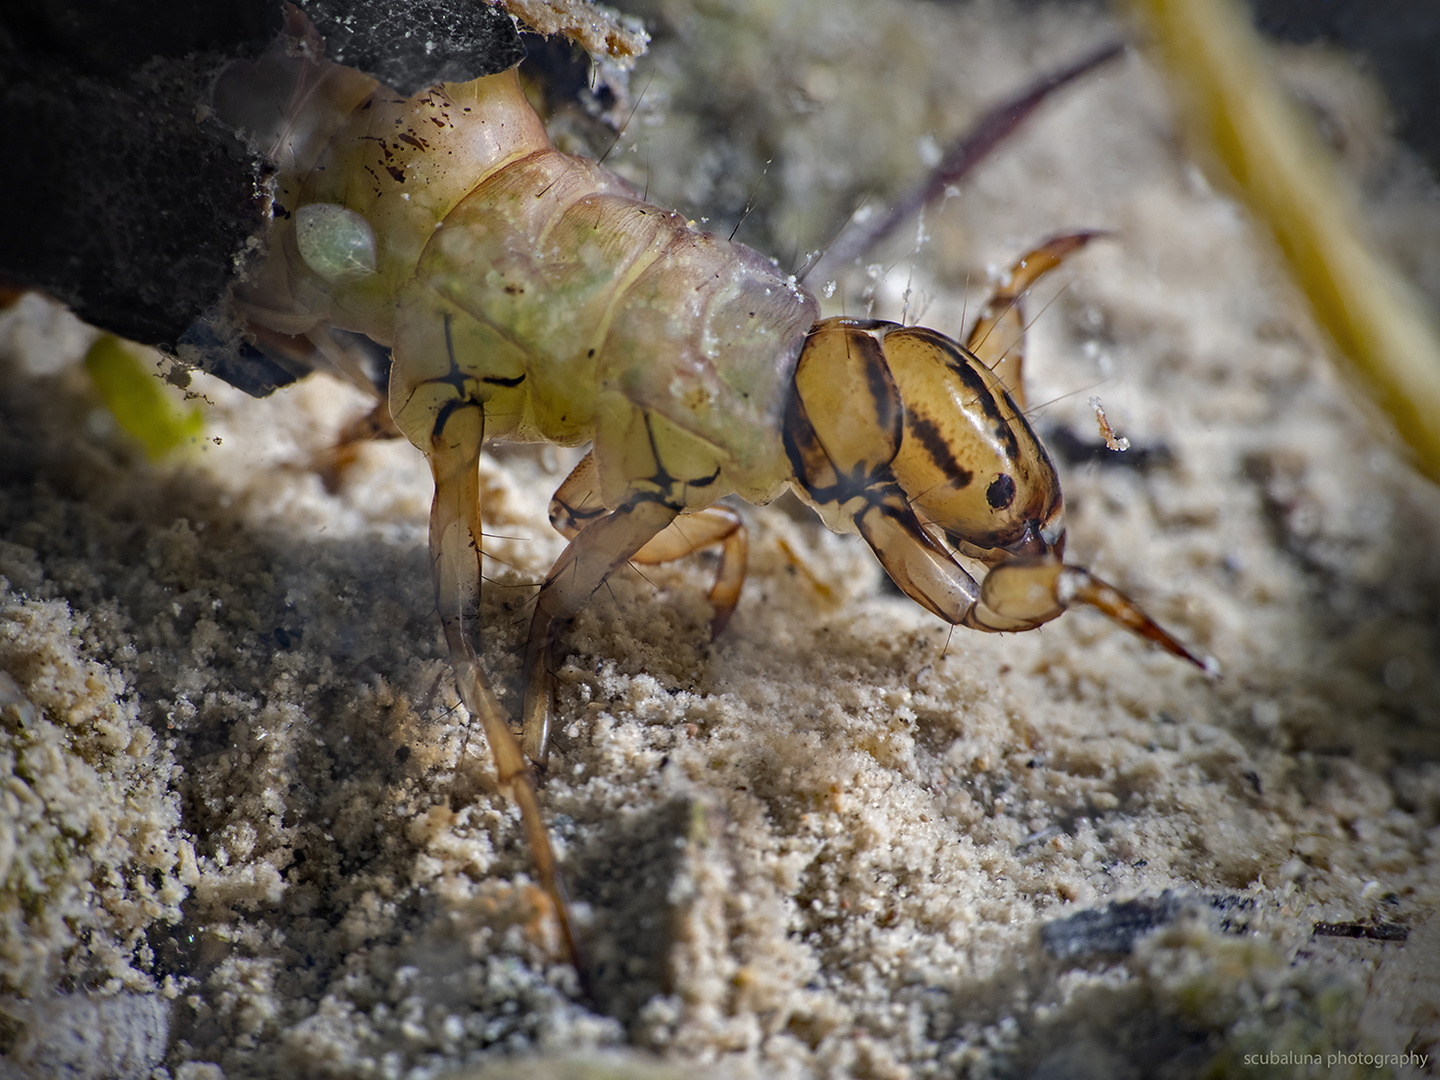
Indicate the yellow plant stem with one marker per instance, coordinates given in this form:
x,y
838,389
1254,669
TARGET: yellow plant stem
x,y
136,398
1239,117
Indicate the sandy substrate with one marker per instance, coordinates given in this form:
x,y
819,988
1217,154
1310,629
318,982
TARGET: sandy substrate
x,y
246,832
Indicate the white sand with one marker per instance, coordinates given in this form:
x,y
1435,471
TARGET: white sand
x,y
236,795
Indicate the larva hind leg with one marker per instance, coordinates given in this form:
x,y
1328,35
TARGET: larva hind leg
x,y
576,504
347,358
998,337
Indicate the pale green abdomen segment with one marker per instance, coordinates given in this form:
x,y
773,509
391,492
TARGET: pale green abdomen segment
x,y
566,307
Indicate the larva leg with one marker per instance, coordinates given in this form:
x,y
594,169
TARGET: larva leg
x,y
998,336
689,533
1036,590
1018,595
921,568
592,556
317,349
577,504
455,561
334,461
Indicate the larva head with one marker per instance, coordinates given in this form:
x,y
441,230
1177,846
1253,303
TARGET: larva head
x,y
969,461
889,401
895,431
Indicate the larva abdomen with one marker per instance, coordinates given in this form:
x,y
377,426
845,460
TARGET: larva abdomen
x,y
507,273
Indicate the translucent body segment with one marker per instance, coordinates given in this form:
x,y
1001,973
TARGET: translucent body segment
x,y
520,314
708,338
599,294
291,101
291,104
404,163
401,163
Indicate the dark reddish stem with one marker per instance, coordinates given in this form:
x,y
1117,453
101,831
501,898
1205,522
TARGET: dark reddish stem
x,y
968,151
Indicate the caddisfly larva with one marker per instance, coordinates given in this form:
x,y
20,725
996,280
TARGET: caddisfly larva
x,y
529,295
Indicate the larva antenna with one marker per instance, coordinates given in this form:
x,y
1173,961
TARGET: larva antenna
x,y
857,238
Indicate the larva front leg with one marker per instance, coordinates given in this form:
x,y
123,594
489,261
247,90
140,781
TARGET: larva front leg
x,y
590,558
576,505
655,471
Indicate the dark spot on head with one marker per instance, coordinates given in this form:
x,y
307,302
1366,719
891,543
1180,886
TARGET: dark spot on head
x,y
402,754
1001,492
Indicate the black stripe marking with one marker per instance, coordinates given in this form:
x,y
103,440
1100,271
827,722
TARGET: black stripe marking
x,y
933,441
704,481
443,417
889,414
663,478
965,366
496,380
